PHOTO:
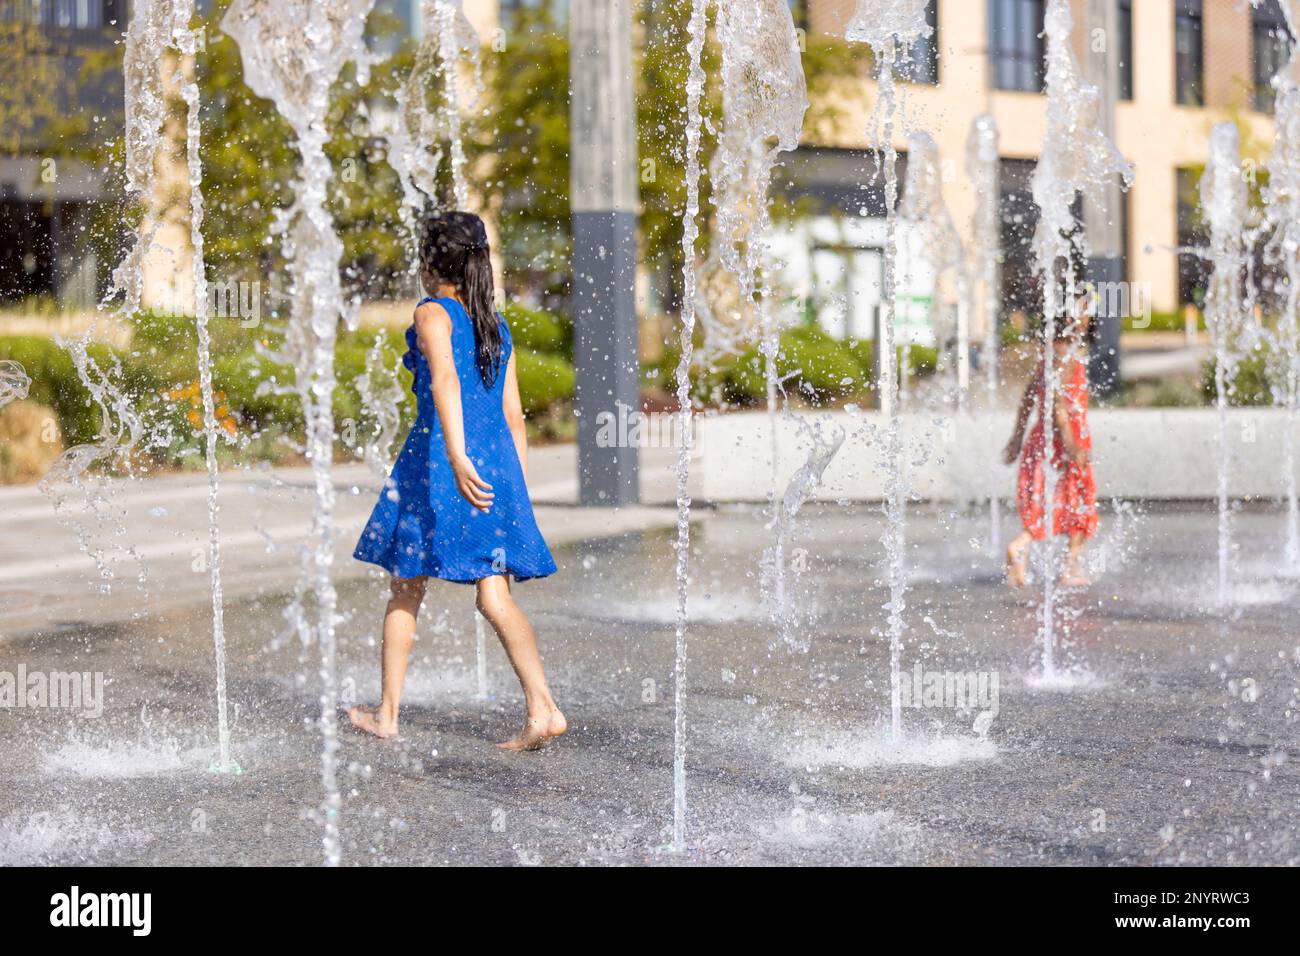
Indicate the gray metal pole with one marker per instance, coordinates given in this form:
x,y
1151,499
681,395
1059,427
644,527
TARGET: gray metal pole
x,y
1103,223
603,197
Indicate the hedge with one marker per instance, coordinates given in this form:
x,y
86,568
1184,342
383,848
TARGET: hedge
x,y
160,371
823,369
539,331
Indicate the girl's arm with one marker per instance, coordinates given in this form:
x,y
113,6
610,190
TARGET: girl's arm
x,y
1065,428
514,409
433,333
1012,451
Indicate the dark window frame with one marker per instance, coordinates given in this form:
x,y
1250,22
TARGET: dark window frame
x,y
60,15
509,10
1021,285
1268,33
1193,271
1125,20
1189,64
921,63
1016,45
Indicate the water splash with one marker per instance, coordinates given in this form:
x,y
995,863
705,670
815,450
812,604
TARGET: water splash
x,y
50,837
188,43
14,382
925,214
879,23
72,487
380,389
1077,159
417,134
777,55
889,26
456,38
480,656
805,481
1224,199
697,27
1282,209
845,750
764,98
293,51
983,168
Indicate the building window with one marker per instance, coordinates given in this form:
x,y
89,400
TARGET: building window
x,y
1016,44
1272,48
1125,49
72,14
512,11
1022,290
920,63
1189,53
1193,269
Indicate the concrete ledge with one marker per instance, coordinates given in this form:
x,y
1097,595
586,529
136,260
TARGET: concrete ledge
x,y
1158,454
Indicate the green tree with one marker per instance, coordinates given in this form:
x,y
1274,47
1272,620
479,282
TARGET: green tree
x,y
524,138
249,163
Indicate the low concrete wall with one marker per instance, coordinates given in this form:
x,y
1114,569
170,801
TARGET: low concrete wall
x,y
1137,453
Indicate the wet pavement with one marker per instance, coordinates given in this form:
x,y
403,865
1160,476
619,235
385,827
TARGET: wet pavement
x,y
1171,737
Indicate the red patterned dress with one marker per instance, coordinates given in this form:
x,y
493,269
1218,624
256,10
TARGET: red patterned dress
x,y
1076,490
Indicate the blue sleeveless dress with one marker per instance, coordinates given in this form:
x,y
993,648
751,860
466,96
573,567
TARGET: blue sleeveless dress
x,y
421,525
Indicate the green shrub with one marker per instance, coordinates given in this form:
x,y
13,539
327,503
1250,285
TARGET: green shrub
x,y
1176,393
239,377
56,385
1160,322
538,331
864,353
828,369
922,360
1249,387
544,380
823,369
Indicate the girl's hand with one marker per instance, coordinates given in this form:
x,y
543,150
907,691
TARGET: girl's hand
x,y
1081,457
471,487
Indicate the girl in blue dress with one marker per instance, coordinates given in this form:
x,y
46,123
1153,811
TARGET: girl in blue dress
x,y
456,505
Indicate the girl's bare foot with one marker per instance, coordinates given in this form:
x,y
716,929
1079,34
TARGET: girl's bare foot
x,y
1074,579
537,732
367,719
1016,566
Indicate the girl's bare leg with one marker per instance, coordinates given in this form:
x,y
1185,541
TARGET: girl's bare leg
x,y
544,719
1073,575
1016,559
399,635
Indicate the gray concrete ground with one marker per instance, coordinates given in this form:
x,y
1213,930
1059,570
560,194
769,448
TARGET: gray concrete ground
x,y
46,579
1171,740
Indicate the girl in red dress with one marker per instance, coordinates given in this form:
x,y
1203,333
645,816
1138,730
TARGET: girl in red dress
x,y
1076,490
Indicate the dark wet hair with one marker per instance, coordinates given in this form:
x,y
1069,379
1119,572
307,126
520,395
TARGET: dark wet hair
x,y
454,249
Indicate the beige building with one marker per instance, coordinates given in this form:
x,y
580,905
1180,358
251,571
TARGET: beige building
x,y
1186,65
